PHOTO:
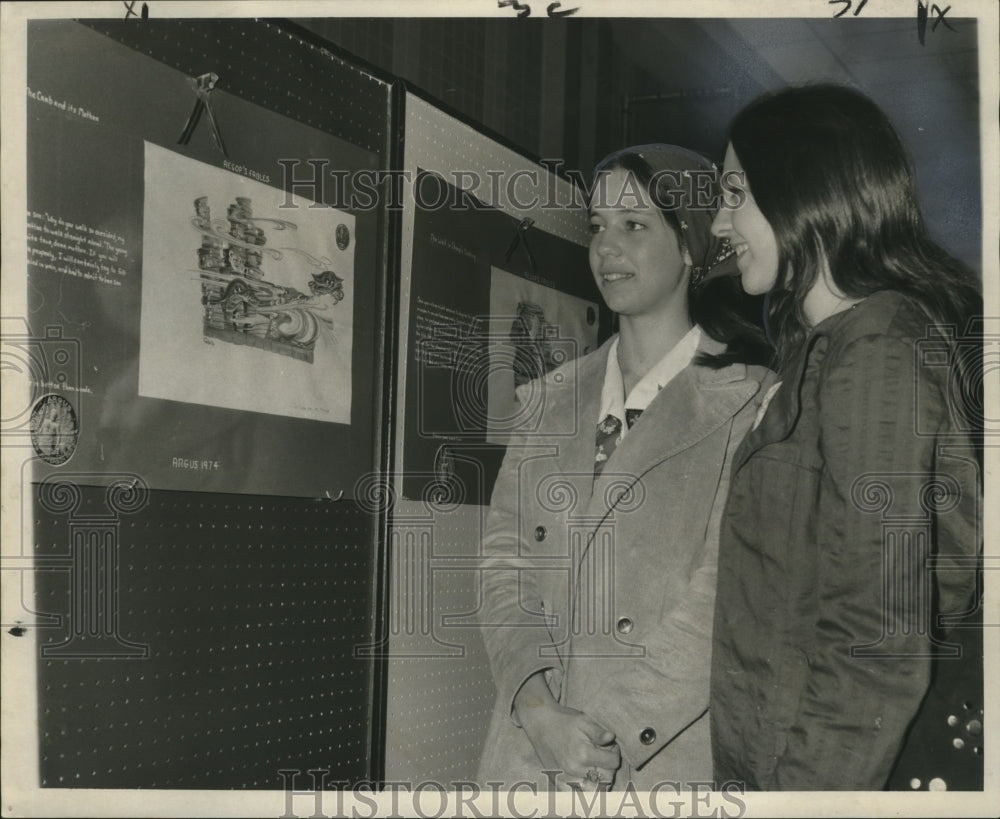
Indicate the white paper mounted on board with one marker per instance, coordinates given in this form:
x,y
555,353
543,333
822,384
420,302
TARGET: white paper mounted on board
x,y
283,342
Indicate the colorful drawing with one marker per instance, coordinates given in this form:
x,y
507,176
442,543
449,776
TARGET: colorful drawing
x,y
240,305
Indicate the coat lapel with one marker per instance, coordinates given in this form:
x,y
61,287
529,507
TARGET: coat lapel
x,y
580,398
694,404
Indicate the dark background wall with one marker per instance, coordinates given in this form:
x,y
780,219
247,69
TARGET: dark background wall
x,y
579,88
556,88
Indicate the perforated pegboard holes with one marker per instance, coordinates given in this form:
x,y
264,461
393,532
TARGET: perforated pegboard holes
x,y
269,67
251,608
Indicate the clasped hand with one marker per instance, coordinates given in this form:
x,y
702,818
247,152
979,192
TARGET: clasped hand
x,y
565,739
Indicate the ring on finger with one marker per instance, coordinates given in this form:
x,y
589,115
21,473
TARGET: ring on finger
x,y
593,775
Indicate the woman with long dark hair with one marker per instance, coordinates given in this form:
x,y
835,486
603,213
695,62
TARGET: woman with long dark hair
x,y
600,547
852,521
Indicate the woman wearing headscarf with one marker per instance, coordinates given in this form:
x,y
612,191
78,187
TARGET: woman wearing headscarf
x,y
601,541
851,533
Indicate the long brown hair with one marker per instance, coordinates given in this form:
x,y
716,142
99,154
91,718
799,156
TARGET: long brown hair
x,y
830,175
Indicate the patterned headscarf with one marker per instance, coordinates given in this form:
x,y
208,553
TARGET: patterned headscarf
x,y
696,197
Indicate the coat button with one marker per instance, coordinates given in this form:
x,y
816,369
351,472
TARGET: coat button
x,y
648,736
539,533
624,625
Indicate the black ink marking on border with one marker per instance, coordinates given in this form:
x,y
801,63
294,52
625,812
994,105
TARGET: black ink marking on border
x,y
130,10
923,11
522,9
847,7
552,10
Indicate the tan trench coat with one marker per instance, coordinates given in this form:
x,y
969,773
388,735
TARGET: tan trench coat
x,y
610,585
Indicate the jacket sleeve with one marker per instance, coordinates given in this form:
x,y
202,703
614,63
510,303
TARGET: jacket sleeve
x,y
667,689
513,623
870,657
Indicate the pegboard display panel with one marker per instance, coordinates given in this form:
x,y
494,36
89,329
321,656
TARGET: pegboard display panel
x,y
487,69
523,246
268,66
201,641
440,688
437,142
123,145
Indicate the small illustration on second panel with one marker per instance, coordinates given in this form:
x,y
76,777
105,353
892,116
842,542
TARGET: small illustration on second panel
x,y
547,328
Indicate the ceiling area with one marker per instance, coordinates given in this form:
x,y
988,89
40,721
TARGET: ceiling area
x,y
930,91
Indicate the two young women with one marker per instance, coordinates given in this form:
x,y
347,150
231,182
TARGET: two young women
x,y
853,485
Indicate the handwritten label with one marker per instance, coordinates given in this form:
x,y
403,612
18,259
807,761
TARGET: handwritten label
x,y
202,464
53,385
250,173
438,330
847,7
551,10
451,245
131,12
62,105
76,249
924,10
922,19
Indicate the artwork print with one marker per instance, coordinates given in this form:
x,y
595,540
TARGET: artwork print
x,y
246,294
534,329
241,305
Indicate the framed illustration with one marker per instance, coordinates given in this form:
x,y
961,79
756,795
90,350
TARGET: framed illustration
x,y
259,313
221,294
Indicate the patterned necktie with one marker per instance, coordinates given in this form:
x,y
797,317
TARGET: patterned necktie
x,y
609,435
